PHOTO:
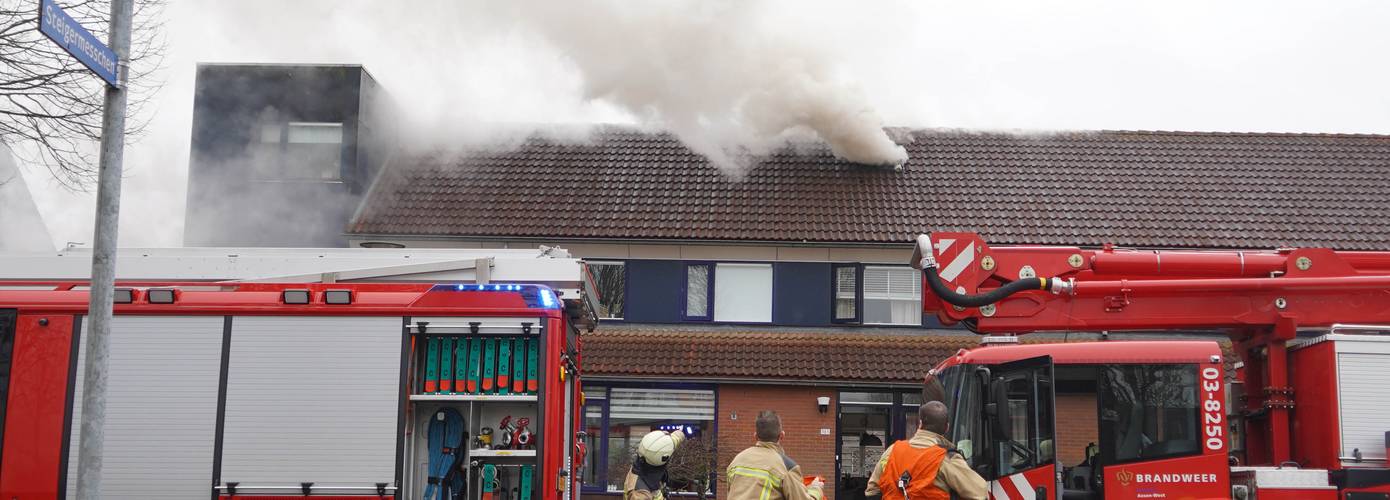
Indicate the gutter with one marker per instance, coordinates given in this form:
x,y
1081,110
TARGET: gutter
x,y
749,381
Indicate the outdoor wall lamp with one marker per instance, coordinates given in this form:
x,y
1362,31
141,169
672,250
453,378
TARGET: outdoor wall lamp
x,y
824,403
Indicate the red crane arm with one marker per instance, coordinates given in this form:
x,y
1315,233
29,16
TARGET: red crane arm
x,y
1260,297
1127,289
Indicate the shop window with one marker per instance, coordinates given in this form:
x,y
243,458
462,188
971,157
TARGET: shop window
x,y
737,293
1148,412
611,280
616,422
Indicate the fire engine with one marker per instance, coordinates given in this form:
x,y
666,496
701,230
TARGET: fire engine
x,y
1300,412
286,373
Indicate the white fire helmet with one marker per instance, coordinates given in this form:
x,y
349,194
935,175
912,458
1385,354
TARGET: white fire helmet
x,y
657,446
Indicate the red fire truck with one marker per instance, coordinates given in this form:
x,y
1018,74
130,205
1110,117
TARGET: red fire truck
x,y
1304,415
347,377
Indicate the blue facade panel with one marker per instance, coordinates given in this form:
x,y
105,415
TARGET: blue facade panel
x,y
654,291
801,293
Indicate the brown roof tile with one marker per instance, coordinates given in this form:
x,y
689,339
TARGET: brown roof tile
x,y
846,355
1152,189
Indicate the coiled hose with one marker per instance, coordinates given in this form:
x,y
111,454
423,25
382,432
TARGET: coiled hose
x,y
445,436
923,259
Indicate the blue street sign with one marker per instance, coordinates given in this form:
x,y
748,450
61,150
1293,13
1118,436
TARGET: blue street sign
x,y
79,42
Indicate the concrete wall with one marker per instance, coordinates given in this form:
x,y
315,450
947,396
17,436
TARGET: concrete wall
x,y
801,421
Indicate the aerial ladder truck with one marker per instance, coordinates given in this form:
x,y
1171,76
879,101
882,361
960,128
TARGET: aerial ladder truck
x,y
1298,408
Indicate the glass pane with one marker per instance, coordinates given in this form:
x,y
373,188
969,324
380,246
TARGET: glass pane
x,y
1148,411
743,293
697,291
845,286
312,161
315,133
913,399
593,427
610,280
892,312
624,434
863,435
866,397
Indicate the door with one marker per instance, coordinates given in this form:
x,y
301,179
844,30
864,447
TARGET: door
x,y
865,430
1020,430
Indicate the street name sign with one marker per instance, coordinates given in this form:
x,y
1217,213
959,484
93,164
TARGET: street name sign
x,y
82,44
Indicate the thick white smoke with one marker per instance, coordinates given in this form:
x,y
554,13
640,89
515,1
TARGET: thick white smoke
x,y
722,75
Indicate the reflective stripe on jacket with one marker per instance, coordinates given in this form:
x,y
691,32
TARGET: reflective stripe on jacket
x,y
764,472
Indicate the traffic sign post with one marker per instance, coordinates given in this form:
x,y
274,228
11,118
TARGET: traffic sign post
x,y
110,64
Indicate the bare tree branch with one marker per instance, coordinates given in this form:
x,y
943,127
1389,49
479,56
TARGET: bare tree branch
x,y
50,105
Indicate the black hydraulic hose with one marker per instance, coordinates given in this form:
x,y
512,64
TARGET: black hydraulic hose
x,y
922,259
983,299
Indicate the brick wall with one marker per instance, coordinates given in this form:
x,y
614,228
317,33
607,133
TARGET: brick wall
x,y
801,421
1076,426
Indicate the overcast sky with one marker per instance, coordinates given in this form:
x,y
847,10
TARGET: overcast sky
x,y
1248,66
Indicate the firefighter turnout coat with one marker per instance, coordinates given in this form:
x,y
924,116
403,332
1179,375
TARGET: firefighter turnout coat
x,y
764,472
953,475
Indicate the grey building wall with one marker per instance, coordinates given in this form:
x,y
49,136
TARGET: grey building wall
x,y
263,172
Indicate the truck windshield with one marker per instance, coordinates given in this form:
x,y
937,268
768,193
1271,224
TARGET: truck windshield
x,y
959,389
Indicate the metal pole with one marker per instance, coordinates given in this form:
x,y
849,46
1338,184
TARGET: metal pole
x,y
98,330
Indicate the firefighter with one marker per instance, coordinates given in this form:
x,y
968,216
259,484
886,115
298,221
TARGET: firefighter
x,y
934,468
646,480
764,472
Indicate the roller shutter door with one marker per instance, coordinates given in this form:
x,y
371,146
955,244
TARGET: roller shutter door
x,y
1362,379
161,408
312,399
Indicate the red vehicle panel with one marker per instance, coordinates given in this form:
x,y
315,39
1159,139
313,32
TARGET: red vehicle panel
x,y
1199,476
1315,420
34,421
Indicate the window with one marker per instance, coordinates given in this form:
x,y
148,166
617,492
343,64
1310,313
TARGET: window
x,y
313,151
739,293
743,293
892,296
298,151
1030,408
697,277
1148,412
617,418
846,290
611,280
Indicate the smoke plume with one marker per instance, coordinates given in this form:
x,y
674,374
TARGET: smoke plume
x,y
724,76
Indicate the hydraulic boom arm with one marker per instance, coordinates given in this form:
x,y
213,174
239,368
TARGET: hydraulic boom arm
x,y
1260,298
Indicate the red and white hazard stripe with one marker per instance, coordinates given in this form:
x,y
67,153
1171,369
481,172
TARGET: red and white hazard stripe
x,y
1015,487
959,263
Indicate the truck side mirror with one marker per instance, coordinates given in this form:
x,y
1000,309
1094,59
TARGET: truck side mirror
x,y
998,409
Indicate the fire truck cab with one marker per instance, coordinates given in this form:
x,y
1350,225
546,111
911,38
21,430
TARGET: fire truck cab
x,y
1146,419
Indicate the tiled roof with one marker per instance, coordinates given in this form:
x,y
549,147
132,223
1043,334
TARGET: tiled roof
x,y
868,355
1150,189
762,354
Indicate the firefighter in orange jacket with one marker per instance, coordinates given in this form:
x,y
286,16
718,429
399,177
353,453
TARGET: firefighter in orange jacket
x,y
935,468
